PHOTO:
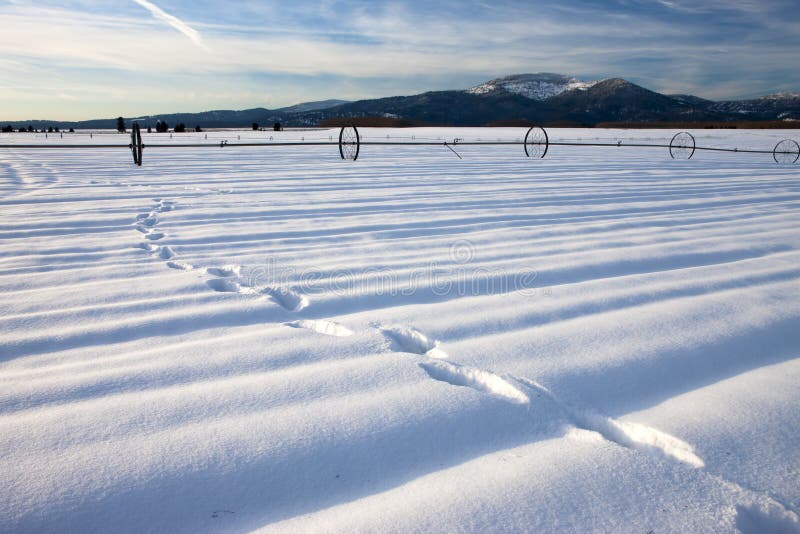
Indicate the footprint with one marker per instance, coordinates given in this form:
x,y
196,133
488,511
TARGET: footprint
x,y
165,205
166,253
286,298
179,265
223,285
146,246
328,328
225,271
640,437
142,229
412,340
155,236
625,433
478,379
149,221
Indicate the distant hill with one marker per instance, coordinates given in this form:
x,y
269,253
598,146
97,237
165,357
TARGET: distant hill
x,y
544,98
312,106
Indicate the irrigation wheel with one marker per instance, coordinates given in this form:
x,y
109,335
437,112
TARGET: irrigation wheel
x,y
682,146
536,142
136,144
786,151
349,143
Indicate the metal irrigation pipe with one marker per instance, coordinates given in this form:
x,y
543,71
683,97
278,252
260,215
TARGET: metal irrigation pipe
x,y
383,143
644,145
536,143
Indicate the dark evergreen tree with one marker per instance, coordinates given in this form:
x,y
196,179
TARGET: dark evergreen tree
x,y
180,128
120,125
255,126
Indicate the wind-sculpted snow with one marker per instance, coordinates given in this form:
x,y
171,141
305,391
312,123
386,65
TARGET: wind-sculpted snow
x,y
241,339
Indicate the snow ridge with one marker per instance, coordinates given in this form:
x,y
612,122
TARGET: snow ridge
x,y
539,86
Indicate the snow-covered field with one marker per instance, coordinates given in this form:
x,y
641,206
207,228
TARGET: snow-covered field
x,y
233,339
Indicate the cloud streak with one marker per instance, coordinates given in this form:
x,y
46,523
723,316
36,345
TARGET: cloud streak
x,y
173,21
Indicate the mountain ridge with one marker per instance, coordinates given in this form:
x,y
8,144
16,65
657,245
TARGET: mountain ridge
x,y
545,98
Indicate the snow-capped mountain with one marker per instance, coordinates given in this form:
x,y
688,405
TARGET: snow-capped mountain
x,y
538,86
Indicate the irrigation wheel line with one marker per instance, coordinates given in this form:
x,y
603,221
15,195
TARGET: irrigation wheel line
x,y
536,145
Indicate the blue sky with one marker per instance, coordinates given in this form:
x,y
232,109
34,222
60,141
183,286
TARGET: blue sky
x,y
79,59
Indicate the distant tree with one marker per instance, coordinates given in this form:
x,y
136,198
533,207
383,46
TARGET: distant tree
x,y
180,128
162,127
8,129
30,128
149,130
23,130
120,125
198,129
277,127
50,129
57,129
72,130
255,126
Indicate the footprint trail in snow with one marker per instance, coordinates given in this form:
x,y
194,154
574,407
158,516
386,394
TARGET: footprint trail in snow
x,y
227,278
146,223
628,434
520,390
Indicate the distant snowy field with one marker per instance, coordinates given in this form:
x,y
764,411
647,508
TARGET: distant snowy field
x,y
235,339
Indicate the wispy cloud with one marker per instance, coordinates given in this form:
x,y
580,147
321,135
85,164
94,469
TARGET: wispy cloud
x,y
173,21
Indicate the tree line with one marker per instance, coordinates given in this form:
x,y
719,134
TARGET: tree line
x,y
160,127
31,129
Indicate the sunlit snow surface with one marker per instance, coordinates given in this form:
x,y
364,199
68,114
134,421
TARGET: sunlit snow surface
x,y
232,339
